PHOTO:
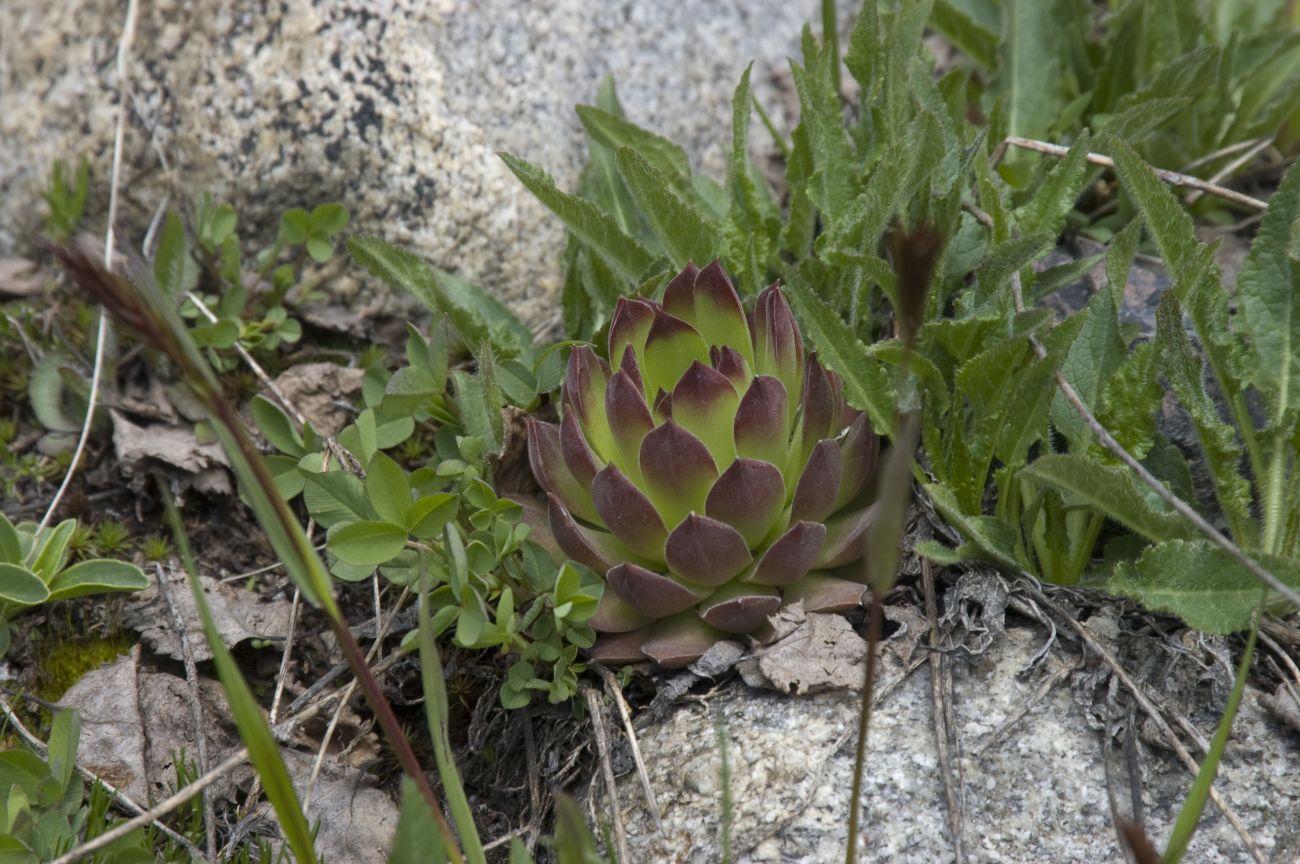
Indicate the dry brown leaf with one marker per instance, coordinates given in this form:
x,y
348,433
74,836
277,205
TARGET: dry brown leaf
x,y
322,392
823,652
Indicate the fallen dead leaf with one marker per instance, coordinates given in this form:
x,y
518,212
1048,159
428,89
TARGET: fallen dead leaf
x,y
239,615
357,820
112,729
20,277
176,447
322,392
823,652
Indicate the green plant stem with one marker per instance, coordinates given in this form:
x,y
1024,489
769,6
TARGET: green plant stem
x,y
436,711
782,146
831,39
1190,814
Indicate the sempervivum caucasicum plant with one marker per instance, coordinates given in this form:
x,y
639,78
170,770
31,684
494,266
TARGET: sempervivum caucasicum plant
x,y
711,474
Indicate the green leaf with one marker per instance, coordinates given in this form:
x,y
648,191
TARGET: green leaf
x,y
1200,583
832,184
330,218
472,312
1268,290
1055,196
11,550
21,586
50,552
426,517
1030,73
588,222
295,225
614,132
388,489
993,537
1089,366
65,732
45,392
475,412
1130,399
319,248
174,269
367,544
975,40
685,232
336,496
97,576
866,384
276,427
1109,489
417,840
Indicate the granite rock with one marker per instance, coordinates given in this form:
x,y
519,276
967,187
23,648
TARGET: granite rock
x,y
394,107
1035,793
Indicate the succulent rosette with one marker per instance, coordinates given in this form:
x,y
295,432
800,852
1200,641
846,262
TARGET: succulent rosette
x,y
711,474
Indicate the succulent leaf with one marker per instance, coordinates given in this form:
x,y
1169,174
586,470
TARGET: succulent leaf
x,y
706,551
628,513
706,475
650,593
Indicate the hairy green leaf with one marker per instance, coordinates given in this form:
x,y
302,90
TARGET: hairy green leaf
x,y
615,132
97,576
21,586
1200,583
1109,489
588,222
686,234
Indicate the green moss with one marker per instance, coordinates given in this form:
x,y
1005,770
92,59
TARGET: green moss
x,y
60,662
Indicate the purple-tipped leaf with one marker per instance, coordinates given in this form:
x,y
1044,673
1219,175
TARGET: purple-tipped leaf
x,y
629,325
791,557
620,649
651,593
704,404
818,407
732,363
679,295
749,496
677,471
859,452
585,380
814,495
613,615
670,348
629,421
821,592
846,535
663,407
597,549
762,427
630,367
740,608
581,461
546,457
706,551
778,347
628,513
718,314
680,640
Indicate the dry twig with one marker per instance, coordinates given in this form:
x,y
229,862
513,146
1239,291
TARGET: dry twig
x,y
611,789
944,721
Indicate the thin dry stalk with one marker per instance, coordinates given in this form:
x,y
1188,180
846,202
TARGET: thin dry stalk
x,y
101,331
196,706
607,769
944,727
1260,146
1173,178
616,693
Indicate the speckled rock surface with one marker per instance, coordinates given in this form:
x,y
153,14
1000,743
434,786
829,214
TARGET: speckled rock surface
x,y
1037,794
395,107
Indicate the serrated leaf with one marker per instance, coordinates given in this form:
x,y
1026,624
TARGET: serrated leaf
x,y
21,586
472,312
1091,362
832,184
475,413
1055,196
1200,583
1268,291
1130,398
615,132
367,544
97,576
1109,489
174,269
685,233
993,537
866,384
588,222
